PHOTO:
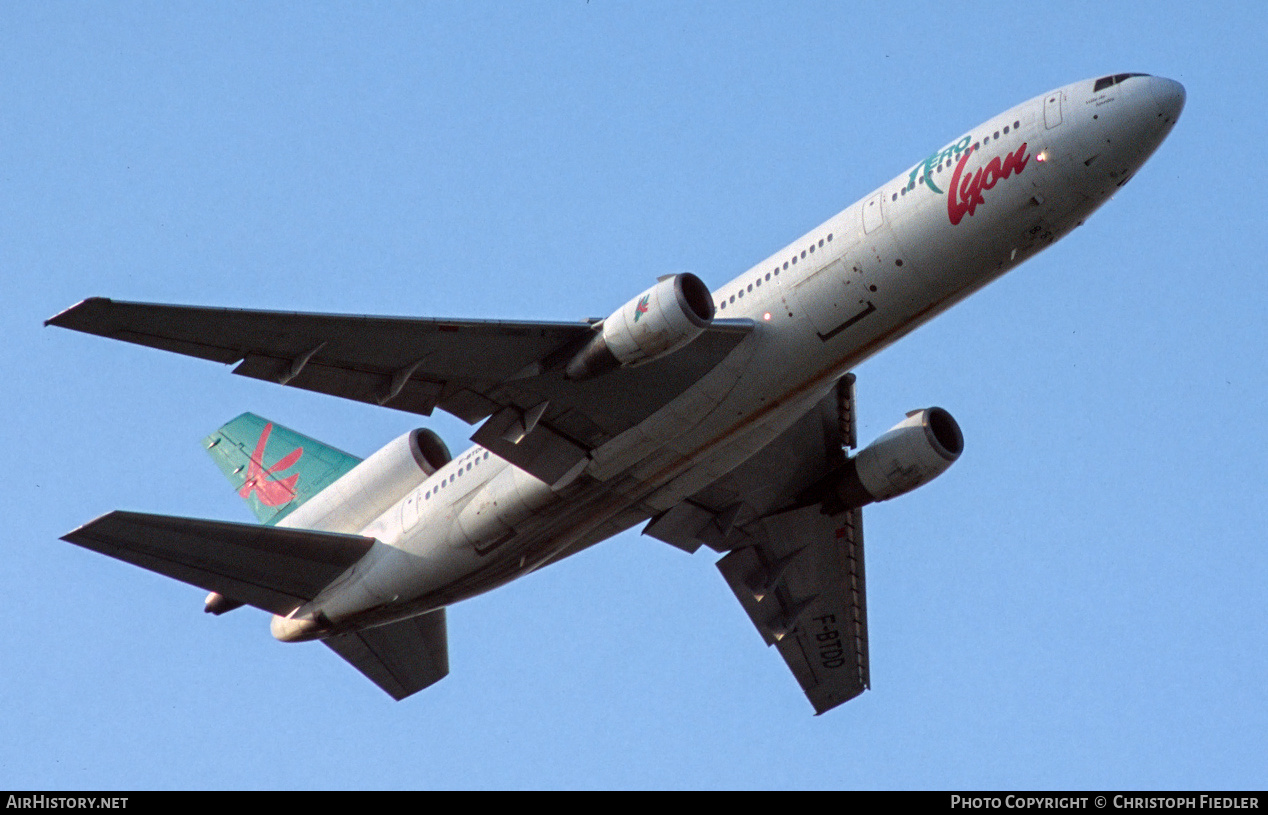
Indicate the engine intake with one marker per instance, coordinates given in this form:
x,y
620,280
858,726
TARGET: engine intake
x,y
657,322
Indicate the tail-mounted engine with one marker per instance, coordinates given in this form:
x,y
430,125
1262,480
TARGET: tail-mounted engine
x,y
910,454
403,464
367,490
657,322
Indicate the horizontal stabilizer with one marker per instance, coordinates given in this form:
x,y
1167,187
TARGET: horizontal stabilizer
x,y
401,658
270,568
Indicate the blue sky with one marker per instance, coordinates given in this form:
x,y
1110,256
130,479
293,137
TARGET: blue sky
x,y
1079,602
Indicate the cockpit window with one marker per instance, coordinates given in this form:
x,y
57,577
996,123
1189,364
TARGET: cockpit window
x,y
1110,81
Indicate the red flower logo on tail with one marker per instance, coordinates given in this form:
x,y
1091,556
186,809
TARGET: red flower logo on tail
x,y
270,491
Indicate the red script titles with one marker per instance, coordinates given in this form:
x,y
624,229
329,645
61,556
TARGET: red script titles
x,y
965,192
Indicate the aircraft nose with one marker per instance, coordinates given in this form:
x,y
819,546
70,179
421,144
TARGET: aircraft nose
x,y
1170,96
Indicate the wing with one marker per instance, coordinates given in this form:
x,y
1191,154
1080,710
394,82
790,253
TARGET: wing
x,y
510,371
802,584
402,658
797,572
268,567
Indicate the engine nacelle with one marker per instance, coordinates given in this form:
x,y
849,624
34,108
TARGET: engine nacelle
x,y
657,322
908,455
369,489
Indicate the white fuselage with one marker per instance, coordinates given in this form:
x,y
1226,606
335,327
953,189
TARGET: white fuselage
x,y
867,276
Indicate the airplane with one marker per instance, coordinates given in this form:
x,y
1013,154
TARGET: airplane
x,y
720,418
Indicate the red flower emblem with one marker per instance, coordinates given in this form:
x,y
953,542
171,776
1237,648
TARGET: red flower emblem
x,y
270,491
641,308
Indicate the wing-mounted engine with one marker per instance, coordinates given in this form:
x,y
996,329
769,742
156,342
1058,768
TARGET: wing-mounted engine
x,y
655,323
367,491
910,454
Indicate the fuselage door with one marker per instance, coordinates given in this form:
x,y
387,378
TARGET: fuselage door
x,y
873,218
1052,110
411,510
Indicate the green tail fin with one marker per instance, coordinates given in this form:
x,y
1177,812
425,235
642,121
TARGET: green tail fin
x,y
274,468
